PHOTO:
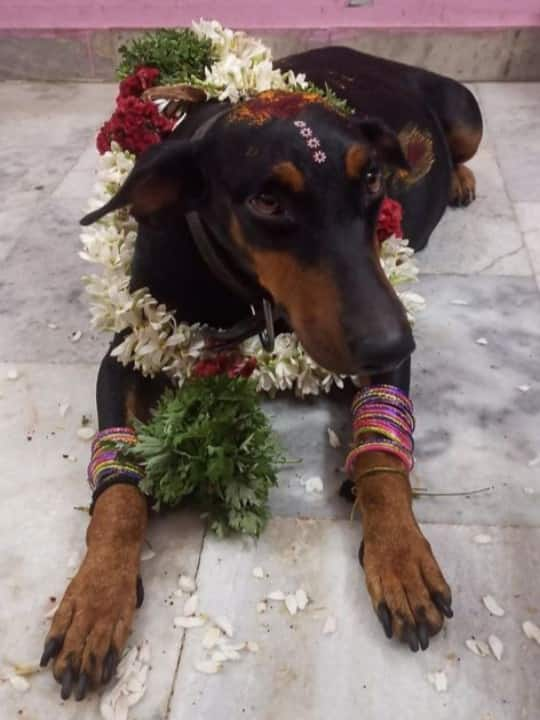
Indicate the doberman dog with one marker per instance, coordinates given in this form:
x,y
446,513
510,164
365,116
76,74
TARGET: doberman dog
x,y
295,222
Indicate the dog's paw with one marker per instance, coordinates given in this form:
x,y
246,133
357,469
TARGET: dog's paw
x,y
408,591
92,624
462,187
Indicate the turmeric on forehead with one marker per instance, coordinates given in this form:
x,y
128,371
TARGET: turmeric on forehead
x,y
273,104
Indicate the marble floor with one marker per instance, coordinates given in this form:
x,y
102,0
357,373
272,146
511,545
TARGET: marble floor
x,y
476,429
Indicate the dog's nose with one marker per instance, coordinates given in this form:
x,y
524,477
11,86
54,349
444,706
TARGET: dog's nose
x,y
384,353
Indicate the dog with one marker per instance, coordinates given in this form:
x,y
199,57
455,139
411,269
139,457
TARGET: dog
x,y
274,202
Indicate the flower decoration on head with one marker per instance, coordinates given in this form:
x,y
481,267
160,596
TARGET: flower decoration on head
x,y
155,341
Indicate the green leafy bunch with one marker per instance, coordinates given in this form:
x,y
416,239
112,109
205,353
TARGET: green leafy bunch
x,y
179,55
211,441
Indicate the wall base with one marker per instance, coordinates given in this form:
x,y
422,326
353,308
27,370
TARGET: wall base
x,y
511,54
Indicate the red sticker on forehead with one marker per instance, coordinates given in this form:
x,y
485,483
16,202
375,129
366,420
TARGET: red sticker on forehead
x,y
273,104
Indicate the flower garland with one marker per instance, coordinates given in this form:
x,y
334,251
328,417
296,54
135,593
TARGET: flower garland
x,y
157,342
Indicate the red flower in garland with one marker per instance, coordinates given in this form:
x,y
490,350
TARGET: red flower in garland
x,y
134,125
389,220
141,80
225,363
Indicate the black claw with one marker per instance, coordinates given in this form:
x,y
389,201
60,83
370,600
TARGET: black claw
x,y
109,664
51,649
68,678
347,490
411,637
443,605
82,687
423,635
383,613
140,592
361,554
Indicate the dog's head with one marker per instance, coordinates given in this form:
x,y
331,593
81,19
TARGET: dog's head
x,y
296,189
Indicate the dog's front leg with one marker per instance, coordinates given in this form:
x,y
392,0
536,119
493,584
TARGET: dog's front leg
x,y
91,626
408,591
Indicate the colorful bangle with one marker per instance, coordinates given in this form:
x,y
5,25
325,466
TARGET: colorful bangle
x,y
383,421
104,462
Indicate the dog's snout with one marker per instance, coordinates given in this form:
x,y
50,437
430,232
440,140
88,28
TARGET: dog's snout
x,y
384,353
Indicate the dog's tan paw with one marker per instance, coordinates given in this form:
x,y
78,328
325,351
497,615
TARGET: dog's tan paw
x,y
407,589
462,187
92,624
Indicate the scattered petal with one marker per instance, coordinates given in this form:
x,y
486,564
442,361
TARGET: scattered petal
x,y
314,485
211,638
438,680
219,657
189,622
225,625
333,438
71,458
330,625
482,539
258,573
261,607
132,673
86,432
457,301
75,336
496,646
535,461
524,388
529,491
52,326
276,595
492,605
147,554
291,604
208,667
301,599
252,646
478,647
230,653
63,408
13,374
482,341
19,683
191,605
187,584
531,630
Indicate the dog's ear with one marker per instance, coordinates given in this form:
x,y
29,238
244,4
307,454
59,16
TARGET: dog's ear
x,y
164,175
385,141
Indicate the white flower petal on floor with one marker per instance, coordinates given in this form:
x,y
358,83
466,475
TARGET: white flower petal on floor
x,y
531,630
438,680
131,674
478,647
492,605
187,584
496,646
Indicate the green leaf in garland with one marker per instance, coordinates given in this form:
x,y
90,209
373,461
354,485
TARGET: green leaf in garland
x,y
179,55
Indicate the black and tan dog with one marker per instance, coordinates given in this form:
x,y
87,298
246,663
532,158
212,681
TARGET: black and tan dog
x,y
290,222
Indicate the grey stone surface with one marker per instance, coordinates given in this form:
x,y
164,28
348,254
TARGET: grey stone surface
x,y
300,673
512,113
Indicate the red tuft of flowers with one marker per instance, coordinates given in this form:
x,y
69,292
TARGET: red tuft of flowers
x,y
389,220
136,123
232,365
142,79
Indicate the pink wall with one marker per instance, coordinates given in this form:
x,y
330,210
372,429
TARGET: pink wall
x,y
266,14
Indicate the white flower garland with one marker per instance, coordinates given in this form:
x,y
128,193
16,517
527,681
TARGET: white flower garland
x,y
157,342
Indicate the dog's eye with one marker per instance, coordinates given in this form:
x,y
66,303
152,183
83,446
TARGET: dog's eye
x,y
265,204
374,180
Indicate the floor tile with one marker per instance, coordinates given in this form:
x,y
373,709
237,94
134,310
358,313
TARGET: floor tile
x,y
528,215
299,673
43,539
512,114
483,238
